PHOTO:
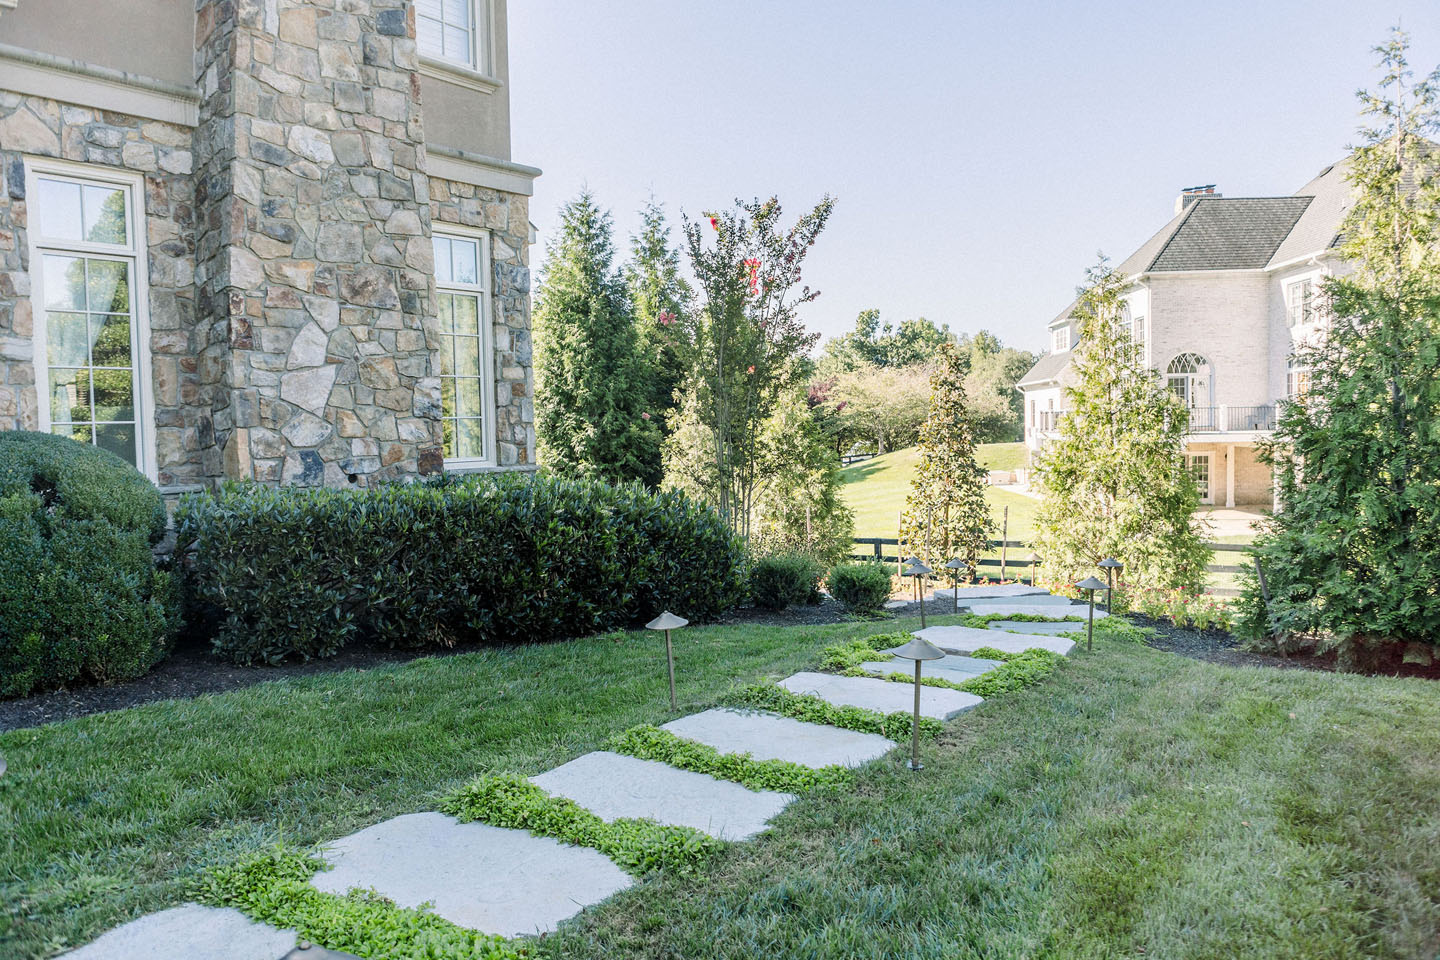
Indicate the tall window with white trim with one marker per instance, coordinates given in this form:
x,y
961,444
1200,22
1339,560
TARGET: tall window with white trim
x,y
85,249
453,30
462,275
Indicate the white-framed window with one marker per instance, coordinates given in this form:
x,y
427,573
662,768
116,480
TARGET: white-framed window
x,y
454,31
1302,302
87,264
1060,339
1198,466
467,358
1137,337
1297,379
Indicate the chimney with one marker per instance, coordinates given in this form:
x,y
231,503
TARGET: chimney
x,y
1190,194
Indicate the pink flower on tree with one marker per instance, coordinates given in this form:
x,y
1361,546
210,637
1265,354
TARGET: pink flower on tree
x,y
751,369
666,318
645,415
715,223
753,266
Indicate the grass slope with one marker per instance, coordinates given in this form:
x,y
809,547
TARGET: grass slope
x,y
1133,801
876,489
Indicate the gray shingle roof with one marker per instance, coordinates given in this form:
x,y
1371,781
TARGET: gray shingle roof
x,y
1318,229
1047,368
1230,234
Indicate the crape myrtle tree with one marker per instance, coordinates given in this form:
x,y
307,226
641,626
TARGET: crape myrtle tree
x,y
742,346
1114,479
660,296
945,513
592,398
1352,560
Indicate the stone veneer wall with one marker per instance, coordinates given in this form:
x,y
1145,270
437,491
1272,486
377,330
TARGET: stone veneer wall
x,y
162,153
315,259
506,216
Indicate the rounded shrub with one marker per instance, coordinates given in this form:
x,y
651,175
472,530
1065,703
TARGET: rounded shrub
x,y
482,559
785,579
863,586
80,595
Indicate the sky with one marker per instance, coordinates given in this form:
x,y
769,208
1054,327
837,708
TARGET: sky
x,y
981,154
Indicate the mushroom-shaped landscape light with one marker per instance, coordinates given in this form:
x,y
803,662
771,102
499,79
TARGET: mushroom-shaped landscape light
x,y
1090,585
667,621
1034,561
918,650
1111,566
918,570
955,566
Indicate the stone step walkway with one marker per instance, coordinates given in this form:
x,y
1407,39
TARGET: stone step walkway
x,y
513,883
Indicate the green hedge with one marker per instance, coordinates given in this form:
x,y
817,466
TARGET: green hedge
x,y
80,595
863,587
785,580
485,559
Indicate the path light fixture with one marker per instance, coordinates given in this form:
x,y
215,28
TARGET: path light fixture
x,y
1090,585
918,570
667,621
918,650
1034,561
955,566
1111,567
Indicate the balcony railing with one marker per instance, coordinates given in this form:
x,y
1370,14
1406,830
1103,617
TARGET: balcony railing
x,y
1048,421
1230,419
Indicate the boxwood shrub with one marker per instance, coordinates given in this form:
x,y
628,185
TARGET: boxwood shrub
x,y
483,559
863,587
80,595
785,579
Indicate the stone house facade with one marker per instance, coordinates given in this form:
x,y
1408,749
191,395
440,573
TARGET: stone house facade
x,y
1216,304
279,240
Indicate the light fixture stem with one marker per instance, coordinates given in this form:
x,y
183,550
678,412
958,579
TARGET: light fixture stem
x,y
915,724
670,662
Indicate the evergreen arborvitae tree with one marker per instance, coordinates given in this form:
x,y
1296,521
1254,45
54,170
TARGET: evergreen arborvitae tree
x,y
946,515
1352,560
1114,479
592,416
799,508
661,298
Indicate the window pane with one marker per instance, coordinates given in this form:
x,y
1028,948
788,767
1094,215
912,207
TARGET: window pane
x,y
447,356
79,433
59,204
465,253
443,273
69,395
466,315
457,12
449,441
447,397
104,214
471,441
457,44
467,398
108,286
429,37
428,8
64,279
467,356
66,342
111,333
118,438
446,304
114,395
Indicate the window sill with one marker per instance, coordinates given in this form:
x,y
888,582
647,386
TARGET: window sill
x,y
482,466
459,74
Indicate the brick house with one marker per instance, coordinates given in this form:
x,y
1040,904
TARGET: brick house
x,y
270,239
1216,303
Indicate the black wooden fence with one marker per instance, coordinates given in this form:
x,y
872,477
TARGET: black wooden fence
x,y
873,548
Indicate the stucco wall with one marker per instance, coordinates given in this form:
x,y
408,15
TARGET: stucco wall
x,y
154,38
1252,477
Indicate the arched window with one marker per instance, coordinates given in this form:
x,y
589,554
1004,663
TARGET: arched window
x,y
1189,378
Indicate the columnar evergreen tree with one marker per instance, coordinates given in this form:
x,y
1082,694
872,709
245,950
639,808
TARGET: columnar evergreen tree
x,y
661,297
946,514
799,508
592,414
1352,560
1114,480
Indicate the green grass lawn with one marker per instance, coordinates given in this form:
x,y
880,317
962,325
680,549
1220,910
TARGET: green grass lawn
x,y
1135,804
876,490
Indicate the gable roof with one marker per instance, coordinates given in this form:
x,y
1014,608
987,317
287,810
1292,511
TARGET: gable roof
x,y
1046,369
1229,234
1318,228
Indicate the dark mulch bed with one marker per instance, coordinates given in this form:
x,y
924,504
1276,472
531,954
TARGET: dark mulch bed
x,y
1218,646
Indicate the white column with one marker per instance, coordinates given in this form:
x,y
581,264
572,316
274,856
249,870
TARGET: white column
x,y
1230,475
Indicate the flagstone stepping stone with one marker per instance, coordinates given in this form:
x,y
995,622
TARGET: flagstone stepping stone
x,y
953,668
613,786
1040,599
968,639
1036,627
1034,609
881,695
492,879
192,931
768,736
992,590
